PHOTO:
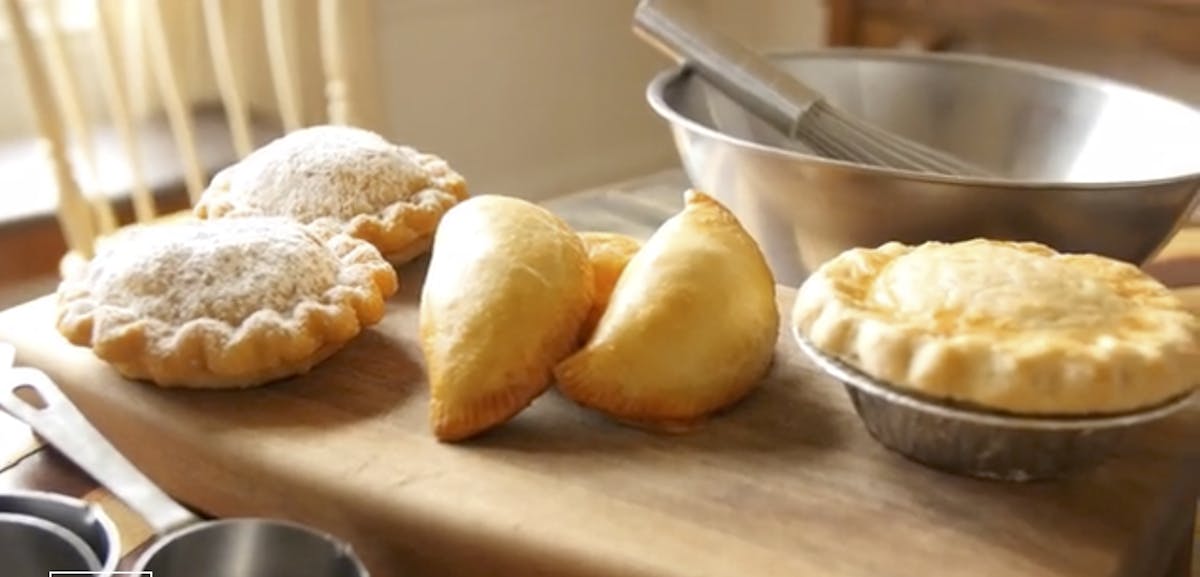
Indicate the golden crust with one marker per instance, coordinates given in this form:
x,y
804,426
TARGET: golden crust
x,y
508,288
608,252
226,304
1010,326
390,196
690,328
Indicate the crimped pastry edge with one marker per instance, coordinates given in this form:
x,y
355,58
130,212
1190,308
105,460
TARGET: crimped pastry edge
x,y
593,390
212,354
908,358
457,423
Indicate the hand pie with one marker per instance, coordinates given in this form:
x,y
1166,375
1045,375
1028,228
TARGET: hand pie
x,y
608,252
390,196
508,288
73,261
223,304
690,328
1008,326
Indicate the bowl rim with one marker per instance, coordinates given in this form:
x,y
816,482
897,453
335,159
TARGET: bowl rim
x,y
855,378
656,90
163,541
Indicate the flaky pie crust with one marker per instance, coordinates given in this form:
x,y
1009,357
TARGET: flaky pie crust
x,y
131,333
315,174
1010,326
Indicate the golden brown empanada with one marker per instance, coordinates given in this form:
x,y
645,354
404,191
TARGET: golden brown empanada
x,y
609,252
690,327
508,288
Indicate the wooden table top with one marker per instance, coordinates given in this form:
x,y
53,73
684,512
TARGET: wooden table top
x,y
26,464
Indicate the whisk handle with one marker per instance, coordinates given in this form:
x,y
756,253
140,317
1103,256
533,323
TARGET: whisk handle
x,y
744,76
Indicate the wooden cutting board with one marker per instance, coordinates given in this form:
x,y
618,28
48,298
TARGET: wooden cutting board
x,y
787,483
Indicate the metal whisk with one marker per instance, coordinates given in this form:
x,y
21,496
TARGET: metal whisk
x,y
779,98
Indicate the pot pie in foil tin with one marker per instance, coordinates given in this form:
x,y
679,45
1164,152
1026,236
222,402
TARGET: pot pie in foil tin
x,y
995,358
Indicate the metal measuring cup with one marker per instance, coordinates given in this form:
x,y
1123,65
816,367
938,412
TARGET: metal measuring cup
x,y
41,531
32,546
25,545
188,546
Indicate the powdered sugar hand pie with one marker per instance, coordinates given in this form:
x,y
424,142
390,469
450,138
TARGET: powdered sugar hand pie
x,y
391,196
223,304
1008,326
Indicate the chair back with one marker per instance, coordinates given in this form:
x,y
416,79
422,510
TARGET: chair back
x,y
136,39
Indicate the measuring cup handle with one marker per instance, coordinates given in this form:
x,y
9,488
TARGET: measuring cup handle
x,y
66,429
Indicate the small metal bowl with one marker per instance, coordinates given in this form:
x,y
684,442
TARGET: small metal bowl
x,y
980,443
34,546
79,517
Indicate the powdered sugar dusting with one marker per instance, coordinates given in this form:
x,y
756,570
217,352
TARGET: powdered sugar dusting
x,y
325,171
225,270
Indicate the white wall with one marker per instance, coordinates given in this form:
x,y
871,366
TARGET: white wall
x,y
535,98
525,97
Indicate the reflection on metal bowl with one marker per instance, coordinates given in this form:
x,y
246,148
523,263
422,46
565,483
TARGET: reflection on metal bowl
x,y
1089,165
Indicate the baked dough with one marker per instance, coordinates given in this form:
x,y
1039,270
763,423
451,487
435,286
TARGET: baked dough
x,y
223,304
507,291
608,252
1010,326
391,196
690,328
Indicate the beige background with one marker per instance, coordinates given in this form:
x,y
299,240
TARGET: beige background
x,y
532,98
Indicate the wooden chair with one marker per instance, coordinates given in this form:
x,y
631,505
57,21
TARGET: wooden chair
x,y
85,213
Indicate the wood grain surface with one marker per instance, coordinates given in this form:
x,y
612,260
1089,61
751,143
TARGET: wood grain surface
x,y
786,483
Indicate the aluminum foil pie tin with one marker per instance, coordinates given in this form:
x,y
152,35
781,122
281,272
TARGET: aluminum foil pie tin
x,y
978,443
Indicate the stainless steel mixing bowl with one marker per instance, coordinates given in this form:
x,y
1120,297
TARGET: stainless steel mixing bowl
x,y
1090,165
